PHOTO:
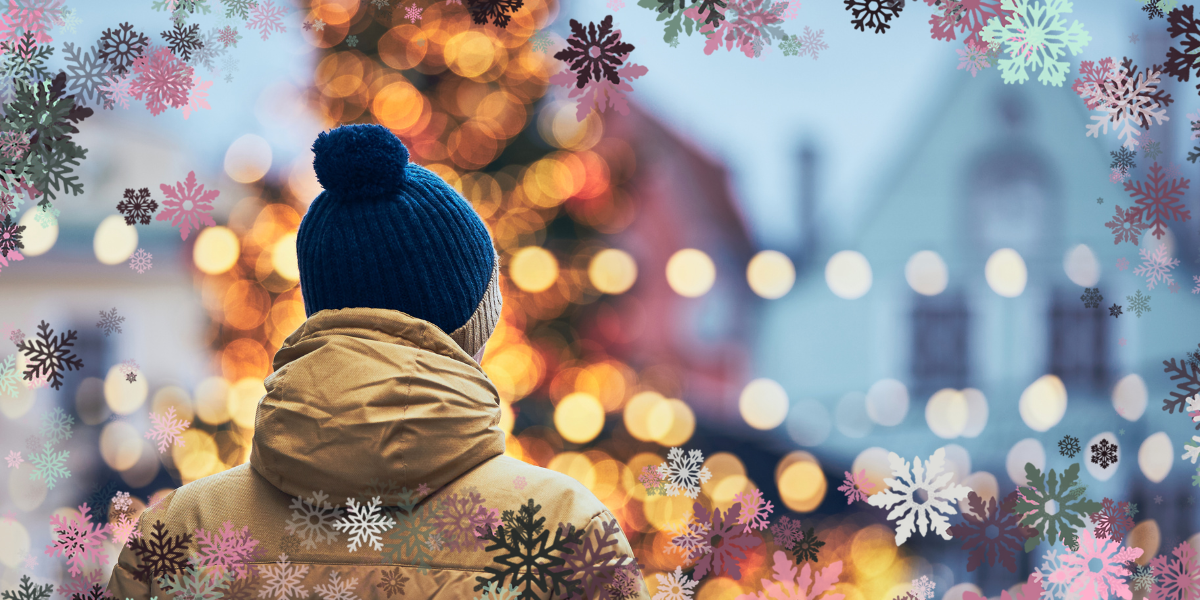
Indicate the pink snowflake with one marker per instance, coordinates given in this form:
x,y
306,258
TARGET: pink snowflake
x,y
793,7
13,256
519,483
1092,77
1097,570
38,381
166,429
1121,341
756,511
856,487
117,89
121,501
413,13
266,17
422,490
615,5
17,336
37,16
161,78
1177,579
188,205
30,561
812,43
13,459
653,479
788,585
1117,175
746,24
731,542
974,57
227,549
1174,287
1112,521
1159,200
1127,226
454,521
1156,266
787,532
196,99
140,261
77,539
1196,279
123,529
1122,263
602,94
967,16
690,537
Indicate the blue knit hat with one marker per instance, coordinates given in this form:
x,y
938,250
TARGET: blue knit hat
x,y
387,233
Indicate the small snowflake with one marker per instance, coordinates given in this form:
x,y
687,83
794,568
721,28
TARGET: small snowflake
x,y
519,483
227,551
1133,38
808,546
1122,263
1091,298
1158,499
187,205
685,474
313,519
1099,200
17,336
413,13
856,487
282,580
109,322
318,25
1121,341
337,588
1138,303
352,41
1151,149
47,216
13,459
10,236
1156,266
923,588
675,586
1068,446
422,490
1104,453
787,532
755,510
167,429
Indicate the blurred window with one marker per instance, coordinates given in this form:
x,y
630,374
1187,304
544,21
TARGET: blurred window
x,y
940,356
1078,341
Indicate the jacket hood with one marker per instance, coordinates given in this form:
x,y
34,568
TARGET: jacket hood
x,y
366,393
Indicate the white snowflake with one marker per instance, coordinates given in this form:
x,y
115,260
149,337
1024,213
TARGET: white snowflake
x,y
1193,405
312,519
282,580
1126,102
675,586
1053,591
338,589
167,429
1156,266
363,522
923,588
903,493
684,475
1191,452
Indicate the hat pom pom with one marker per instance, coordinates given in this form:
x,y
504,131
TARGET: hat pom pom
x,y
360,160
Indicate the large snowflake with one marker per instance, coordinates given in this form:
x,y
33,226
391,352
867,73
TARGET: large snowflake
x,y
1036,36
159,553
228,550
528,557
755,510
966,16
312,519
364,523
407,541
121,45
49,465
1097,569
454,521
979,540
1181,61
594,561
904,486
1156,266
49,355
283,580
337,588
166,429
748,26
1177,578
1053,522
77,539
196,582
1159,200
267,18
1128,100
788,586
875,14
35,16
685,474
1112,521
1127,225
162,79
726,541
187,205
595,53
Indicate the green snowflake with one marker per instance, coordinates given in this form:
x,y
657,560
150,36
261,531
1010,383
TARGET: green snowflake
x,y
70,20
352,41
1138,303
676,20
47,216
29,591
201,583
1064,493
1132,510
1143,579
1151,149
540,42
49,465
1099,200
406,542
9,375
791,45
1036,37
45,113
1196,478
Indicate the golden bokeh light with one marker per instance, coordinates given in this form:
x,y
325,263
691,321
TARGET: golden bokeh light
x,y
637,414
283,257
763,404
873,551
15,548
946,413
243,400
848,274
671,422
216,250
124,397
1147,536
120,445
212,401
691,273
197,456
800,481
1043,403
533,269
771,274
612,271
38,240
1005,273
114,241
579,417
248,158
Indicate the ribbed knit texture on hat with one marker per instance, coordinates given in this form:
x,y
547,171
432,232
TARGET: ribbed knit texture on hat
x,y
390,234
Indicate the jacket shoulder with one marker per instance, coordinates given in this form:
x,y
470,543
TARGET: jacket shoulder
x,y
512,482
239,495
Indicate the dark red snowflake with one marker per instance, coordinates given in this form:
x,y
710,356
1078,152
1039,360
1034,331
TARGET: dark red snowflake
x,y
1112,521
968,17
990,534
499,11
1092,77
595,53
137,206
121,45
1126,226
728,542
873,13
1159,200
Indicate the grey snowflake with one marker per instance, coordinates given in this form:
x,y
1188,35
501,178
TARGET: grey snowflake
x,y
1099,200
1133,38
1123,159
1131,510
1091,298
1068,446
56,426
229,65
1143,578
352,41
211,48
1158,499
1151,149
86,72
183,40
1138,303
109,321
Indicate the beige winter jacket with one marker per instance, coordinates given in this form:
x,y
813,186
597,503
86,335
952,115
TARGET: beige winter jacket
x,y
365,411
